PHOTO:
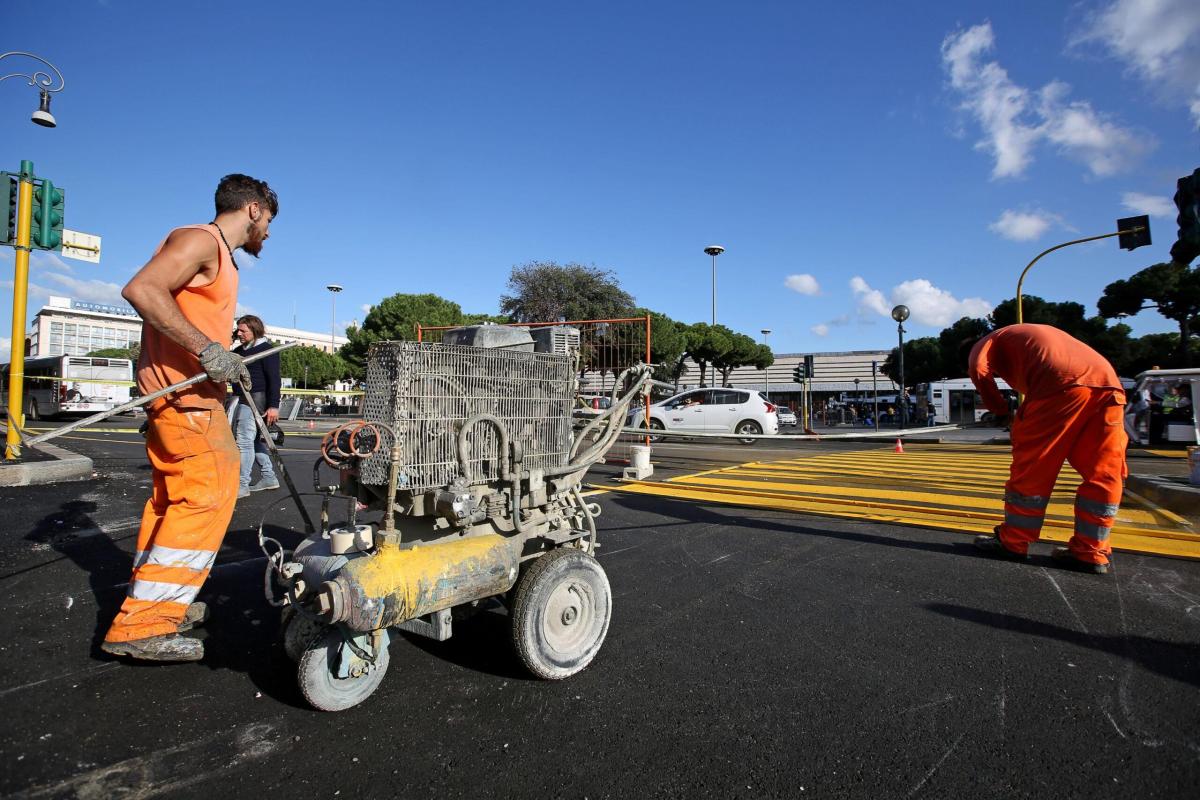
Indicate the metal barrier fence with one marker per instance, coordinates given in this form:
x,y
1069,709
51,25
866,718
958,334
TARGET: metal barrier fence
x,y
606,348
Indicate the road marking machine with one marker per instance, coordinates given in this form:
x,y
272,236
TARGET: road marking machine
x,y
468,455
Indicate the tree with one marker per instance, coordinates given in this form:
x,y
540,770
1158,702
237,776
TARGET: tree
x,y
118,352
395,319
311,367
1171,288
706,343
923,362
543,291
742,352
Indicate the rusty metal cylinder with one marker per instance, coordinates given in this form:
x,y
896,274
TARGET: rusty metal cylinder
x,y
394,585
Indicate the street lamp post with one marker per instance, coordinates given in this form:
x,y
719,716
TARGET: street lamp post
x,y
766,374
334,289
875,389
22,244
714,250
900,313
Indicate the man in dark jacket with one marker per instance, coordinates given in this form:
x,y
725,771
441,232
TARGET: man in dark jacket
x,y
264,390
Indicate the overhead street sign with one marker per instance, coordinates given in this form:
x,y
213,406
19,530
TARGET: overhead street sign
x,y
81,246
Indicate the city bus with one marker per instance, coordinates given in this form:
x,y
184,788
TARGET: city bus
x,y
57,385
954,401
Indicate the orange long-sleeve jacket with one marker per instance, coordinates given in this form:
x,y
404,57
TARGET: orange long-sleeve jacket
x,y
1038,361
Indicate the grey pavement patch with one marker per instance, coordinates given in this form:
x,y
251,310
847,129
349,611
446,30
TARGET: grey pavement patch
x,y
64,466
1171,493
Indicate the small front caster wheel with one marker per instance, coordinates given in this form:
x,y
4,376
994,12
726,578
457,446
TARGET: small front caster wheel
x,y
561,608
333,677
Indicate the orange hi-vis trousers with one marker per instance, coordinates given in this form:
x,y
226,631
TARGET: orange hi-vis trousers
x,y
1085,427
196,467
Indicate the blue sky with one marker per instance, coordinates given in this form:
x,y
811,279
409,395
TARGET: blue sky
x,y
847,157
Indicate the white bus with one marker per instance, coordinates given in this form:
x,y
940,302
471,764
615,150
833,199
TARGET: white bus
x,y
73,385
954,401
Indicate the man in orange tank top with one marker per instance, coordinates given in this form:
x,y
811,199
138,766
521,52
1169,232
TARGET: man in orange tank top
x,y
186,296
1072,412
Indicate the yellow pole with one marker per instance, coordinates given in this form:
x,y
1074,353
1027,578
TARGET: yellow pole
x,y
1021,280
16,367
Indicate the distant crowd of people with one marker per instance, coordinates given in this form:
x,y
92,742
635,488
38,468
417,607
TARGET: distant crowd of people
x,y
1147,414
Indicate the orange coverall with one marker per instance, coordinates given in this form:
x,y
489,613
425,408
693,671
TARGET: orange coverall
x,y
195,466
1072,411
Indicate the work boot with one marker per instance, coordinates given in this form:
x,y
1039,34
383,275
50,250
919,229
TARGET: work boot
x,y
993,546
196,614
167,647
1065,558
260,485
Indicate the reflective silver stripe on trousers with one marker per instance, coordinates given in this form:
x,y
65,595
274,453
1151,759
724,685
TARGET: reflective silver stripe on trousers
x,y
158,555
1032,502
1096,507
160,592
1023,522
1091,530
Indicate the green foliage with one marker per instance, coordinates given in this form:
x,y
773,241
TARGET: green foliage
x,y
742,352
396,318
322,368
924,361
118,352
1173,289
543,291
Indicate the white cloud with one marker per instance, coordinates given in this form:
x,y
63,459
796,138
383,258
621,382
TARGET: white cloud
x,y
803,284
5,347
1153,205
820,330
93,291
1014,119
366,308
927,304
1021,226
868,298
1159,40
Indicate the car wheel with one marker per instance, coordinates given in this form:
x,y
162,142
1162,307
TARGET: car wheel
x,y
748,427
655,425
31,413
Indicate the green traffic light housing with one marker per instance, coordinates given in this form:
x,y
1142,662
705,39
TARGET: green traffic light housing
x,y
48,209
1187,200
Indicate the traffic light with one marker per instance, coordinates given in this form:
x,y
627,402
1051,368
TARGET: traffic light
x,y
1132,241
799,373
1187,200
48,207
808,366
9,187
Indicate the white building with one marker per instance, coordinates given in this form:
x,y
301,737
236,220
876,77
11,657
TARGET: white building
x,y
65,326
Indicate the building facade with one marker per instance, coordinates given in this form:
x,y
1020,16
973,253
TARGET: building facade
x,y
65,326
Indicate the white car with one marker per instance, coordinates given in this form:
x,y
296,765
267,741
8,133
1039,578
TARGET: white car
x,y
786,416
737,411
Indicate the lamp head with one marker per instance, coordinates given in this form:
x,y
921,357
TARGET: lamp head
x,y
43,116
900,313
714,250
333,287
765,331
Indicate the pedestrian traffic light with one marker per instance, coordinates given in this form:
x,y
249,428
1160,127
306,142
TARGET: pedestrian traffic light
x,y
808,366
48,207
1187,200
799,373
1136,238
9,187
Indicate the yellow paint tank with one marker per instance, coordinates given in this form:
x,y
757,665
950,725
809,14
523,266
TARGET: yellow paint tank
x,y
394,585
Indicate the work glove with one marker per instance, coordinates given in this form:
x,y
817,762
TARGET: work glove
x,y
222,365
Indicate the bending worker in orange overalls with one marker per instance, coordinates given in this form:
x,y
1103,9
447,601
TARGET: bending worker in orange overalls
x,y
186,296
1073,411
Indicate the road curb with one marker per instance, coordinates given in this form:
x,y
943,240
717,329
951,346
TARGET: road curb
x,y
1171,493
65,466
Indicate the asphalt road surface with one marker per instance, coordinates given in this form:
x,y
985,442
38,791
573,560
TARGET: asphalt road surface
x,y
751,654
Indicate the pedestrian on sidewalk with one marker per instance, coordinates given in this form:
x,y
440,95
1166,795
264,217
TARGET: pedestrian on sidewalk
x,y
186,296
264,392
1072,412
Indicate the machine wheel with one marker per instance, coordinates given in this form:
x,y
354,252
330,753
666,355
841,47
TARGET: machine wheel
x,y
317,673
655,425
560,612
31,413
298,630
748,427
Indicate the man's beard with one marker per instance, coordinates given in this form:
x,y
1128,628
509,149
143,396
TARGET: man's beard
x,y
254,240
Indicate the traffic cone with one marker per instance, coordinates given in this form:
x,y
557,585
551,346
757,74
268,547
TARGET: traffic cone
x,y
899,446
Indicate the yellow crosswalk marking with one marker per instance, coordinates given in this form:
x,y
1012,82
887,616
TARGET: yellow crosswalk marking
x,y
949,487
